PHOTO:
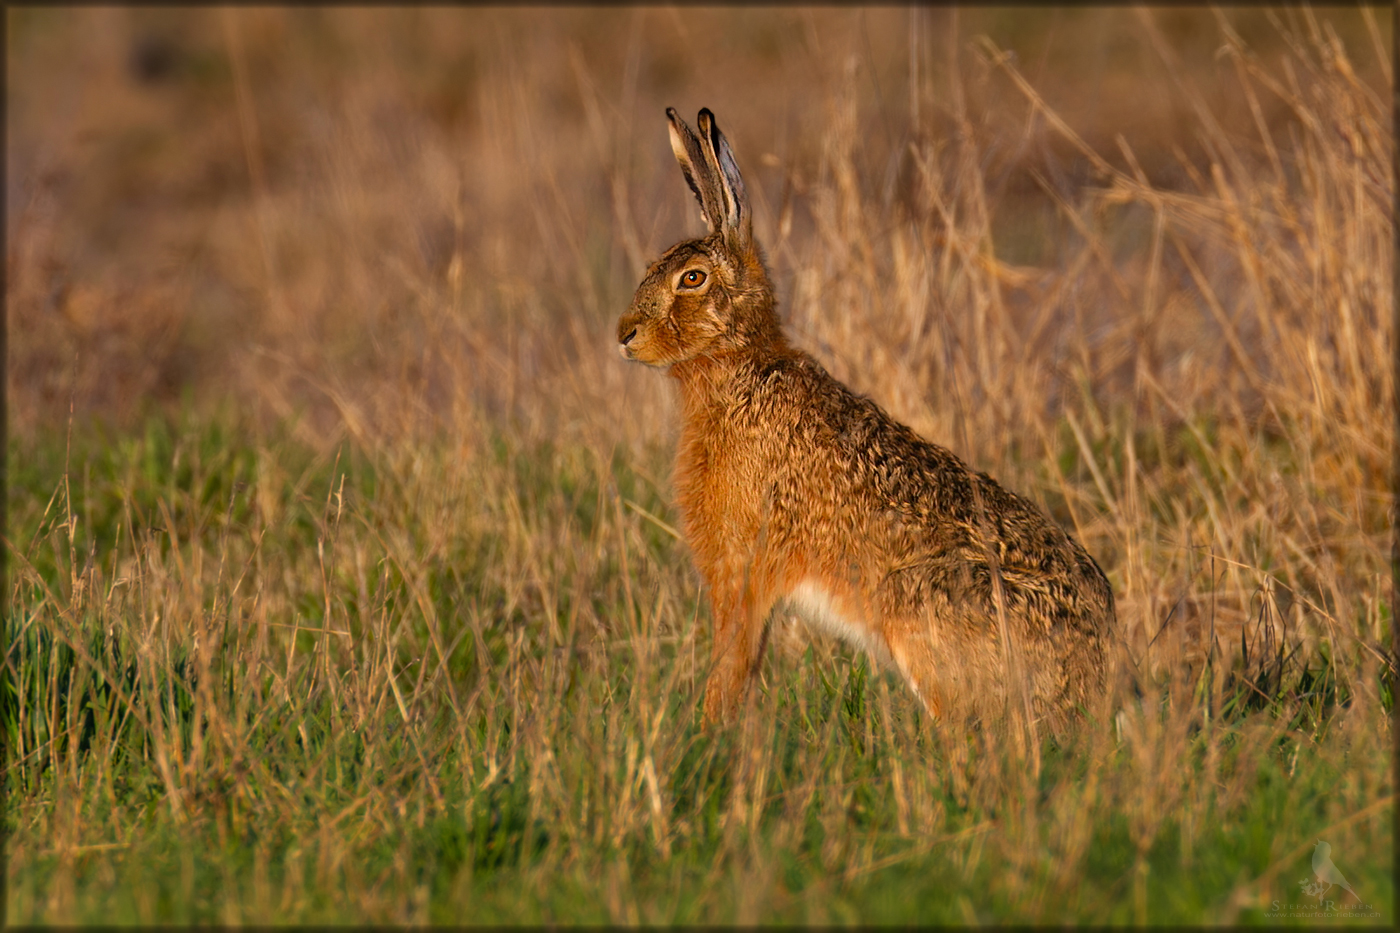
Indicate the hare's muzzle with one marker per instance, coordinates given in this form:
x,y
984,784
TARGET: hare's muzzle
x,y
623,339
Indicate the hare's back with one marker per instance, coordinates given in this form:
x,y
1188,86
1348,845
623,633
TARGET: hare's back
x,y
925,512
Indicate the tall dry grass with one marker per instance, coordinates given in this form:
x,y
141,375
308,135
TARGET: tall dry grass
x,y
384,614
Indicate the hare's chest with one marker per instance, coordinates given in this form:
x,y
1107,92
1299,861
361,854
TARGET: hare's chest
x,y
722,481
713,476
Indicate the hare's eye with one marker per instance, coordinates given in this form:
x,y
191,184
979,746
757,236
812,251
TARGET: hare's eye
x,y
692,278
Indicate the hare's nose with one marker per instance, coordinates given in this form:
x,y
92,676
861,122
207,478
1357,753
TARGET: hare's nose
x,y
627,338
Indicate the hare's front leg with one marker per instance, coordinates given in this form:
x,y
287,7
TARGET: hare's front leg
x,y
740,635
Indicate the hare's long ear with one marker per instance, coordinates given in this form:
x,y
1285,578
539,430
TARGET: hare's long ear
x,y
703,180
737,221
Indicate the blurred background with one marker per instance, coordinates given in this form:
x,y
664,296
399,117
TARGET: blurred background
x,y
372,220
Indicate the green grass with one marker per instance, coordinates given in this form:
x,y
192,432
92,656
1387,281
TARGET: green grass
x,y
507,729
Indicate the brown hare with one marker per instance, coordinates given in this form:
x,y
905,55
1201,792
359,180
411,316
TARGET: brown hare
x,y
792,487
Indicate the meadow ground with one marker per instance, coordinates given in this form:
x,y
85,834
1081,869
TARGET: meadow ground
x,y
343,581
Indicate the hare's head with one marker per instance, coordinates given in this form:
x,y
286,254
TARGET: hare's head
x,y
708,296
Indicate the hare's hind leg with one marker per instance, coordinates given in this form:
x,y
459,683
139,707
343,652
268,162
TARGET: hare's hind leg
x,y
917,662
740,635
953,675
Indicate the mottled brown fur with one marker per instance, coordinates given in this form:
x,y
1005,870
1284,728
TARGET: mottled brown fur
x,y
792,486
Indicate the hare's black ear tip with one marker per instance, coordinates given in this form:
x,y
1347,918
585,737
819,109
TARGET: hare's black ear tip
x,y
706,116
672,115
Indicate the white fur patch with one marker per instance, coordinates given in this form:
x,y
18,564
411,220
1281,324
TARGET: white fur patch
x,y
819,608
